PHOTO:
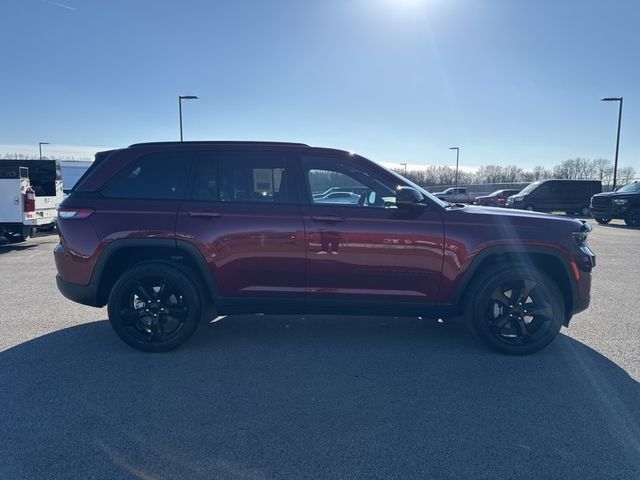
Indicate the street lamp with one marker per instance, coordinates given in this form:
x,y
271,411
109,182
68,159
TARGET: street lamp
x,y
405,168
40,147
615,163
457,149
180,98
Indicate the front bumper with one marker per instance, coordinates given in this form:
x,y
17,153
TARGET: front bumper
x,y
613,211
84,294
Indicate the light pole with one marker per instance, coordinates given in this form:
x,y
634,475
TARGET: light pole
x,y
457,149
40,147
615,163
405,168
180,98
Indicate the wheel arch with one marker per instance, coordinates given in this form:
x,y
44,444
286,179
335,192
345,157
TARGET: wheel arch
x,y
123,254
546,259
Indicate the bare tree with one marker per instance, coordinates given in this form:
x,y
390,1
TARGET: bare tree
x,y
625,175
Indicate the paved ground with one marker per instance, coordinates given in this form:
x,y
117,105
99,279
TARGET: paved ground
x,y
256,397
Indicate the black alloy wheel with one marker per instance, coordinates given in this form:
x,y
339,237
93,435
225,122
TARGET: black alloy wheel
x,y
517,314
603,221
515,309
154,307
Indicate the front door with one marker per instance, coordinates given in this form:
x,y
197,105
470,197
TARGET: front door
x,y
243,216
360,246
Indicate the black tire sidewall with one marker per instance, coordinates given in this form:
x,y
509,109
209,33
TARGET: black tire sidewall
x,y
603,221
484,285
633,218
190,292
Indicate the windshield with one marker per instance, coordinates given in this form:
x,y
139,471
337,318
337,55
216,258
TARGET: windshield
x,y
529,188
630,188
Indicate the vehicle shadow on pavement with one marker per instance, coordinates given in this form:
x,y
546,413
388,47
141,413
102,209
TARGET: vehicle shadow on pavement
x,y
6,247
622,226
253,397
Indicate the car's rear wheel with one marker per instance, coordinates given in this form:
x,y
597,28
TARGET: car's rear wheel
x,y
633,218
602,221
516,310
154,307
21,236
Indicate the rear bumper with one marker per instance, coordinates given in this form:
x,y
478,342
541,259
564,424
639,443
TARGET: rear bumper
x,y
84,294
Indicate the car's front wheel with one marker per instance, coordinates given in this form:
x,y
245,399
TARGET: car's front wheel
x,y
633,218
603,221
154,307
516,310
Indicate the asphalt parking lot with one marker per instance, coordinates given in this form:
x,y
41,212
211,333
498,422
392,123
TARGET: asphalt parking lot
x,y
257,397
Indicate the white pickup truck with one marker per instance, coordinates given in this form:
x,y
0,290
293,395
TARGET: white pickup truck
x,y
456,195
24,206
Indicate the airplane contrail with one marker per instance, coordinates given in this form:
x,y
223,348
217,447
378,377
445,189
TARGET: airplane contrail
x,y
61,5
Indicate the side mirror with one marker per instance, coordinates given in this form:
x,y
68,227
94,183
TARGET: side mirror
x,y
408,197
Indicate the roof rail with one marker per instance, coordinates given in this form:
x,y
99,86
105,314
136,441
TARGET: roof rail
x,y
219,142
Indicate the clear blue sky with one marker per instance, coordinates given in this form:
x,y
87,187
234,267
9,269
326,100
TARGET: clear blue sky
x,y
510,82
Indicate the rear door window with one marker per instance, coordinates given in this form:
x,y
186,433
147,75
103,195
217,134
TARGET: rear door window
x,y
256,177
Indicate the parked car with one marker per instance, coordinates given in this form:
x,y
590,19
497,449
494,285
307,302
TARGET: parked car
x,y
456,195
497,198
624,203
338,197
72,171
166,233
570,196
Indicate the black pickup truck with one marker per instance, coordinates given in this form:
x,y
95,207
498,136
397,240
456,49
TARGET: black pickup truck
x,y
624,203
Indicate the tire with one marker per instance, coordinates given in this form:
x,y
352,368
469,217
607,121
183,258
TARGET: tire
x,y
23,236
633,218
603,221
15,237
518,330
155,306
530,208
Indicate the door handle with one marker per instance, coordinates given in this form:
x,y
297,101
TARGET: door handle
x,y
205,214
327,218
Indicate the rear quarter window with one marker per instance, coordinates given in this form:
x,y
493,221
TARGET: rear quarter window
x,y
160,176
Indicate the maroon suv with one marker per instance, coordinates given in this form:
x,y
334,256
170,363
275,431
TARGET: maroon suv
x,y
165,233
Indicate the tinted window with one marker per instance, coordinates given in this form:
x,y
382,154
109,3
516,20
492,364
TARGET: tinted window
x,y
339,182
204,187
153,176
253,177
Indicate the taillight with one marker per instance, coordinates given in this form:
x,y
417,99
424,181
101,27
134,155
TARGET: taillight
x,y
29,200
74,213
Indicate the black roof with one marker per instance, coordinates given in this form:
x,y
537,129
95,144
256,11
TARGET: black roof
x,y
218,142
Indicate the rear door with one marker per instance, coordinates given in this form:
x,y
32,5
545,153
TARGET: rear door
x,y
243,215
370,250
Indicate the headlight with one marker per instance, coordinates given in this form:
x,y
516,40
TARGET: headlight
x,y
517,199
620,201
581,235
